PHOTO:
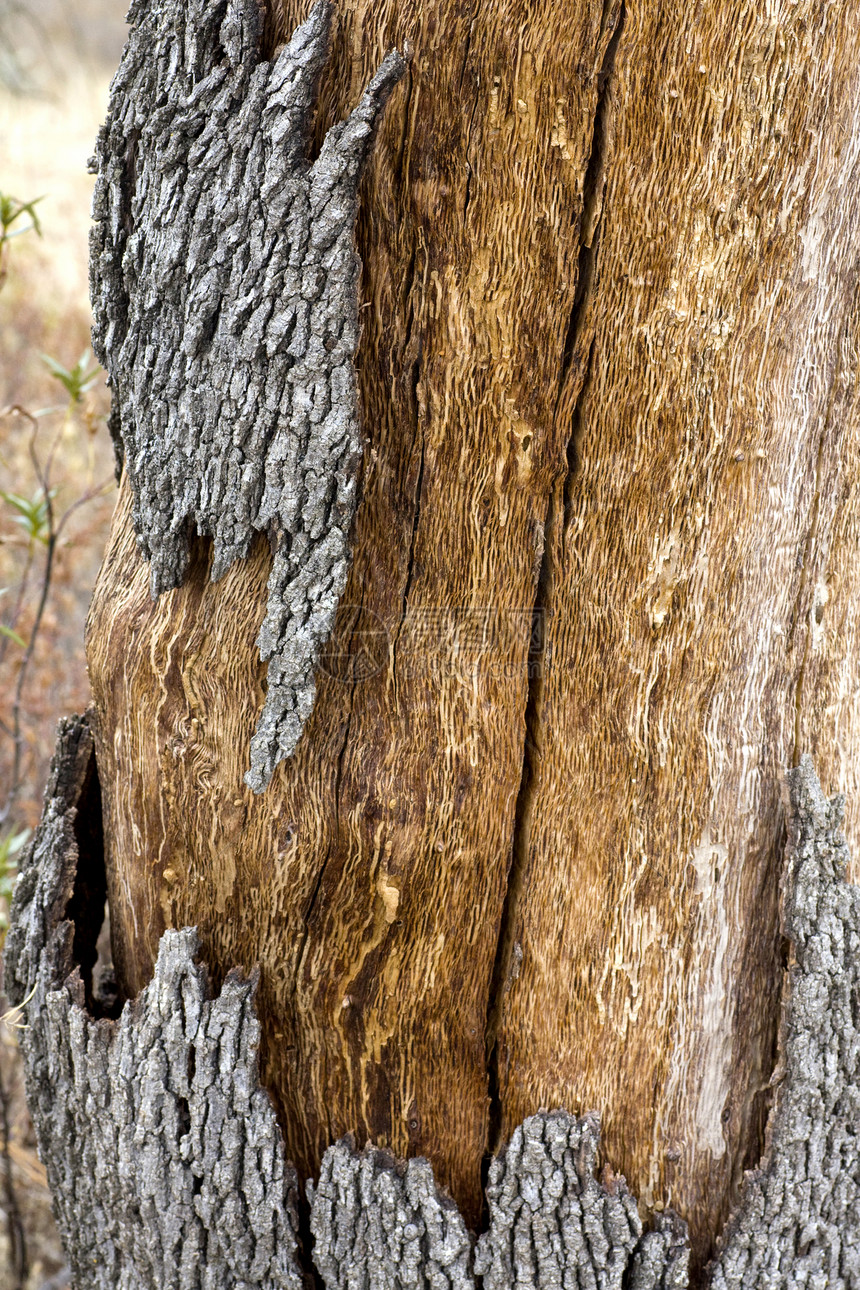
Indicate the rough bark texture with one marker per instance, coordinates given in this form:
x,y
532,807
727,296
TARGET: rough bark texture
x,y
608,374
223,278
799,1220
164,1157
167,1165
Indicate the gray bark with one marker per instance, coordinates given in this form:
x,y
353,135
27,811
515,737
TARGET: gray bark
x,y
167,1166
224,280
799,1220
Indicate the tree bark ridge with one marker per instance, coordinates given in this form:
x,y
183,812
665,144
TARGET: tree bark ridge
x,y
799,1219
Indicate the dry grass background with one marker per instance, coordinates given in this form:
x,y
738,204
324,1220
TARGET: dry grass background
x,y
55,64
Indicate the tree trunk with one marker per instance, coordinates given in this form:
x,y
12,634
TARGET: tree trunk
x,y
505,834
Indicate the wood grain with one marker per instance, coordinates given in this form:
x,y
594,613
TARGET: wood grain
x,y
659,380
369,880
700,588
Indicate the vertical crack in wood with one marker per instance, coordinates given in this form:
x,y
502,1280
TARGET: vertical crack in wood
x,y
224,280
575,368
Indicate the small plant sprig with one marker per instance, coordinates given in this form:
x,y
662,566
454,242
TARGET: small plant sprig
x,y
34,513
11,211
75,380
42,528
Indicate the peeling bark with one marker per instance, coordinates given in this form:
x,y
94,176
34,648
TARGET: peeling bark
x,y
223,278
167,1164
368,881
608,369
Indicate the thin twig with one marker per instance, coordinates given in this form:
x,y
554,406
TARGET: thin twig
x,y
99,490
23,587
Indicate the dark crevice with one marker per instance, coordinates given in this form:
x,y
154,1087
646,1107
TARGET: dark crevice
x,y
592,204
507,959
183,1116
468,48
573,460
576,365
305,1244
470,172
471,124
88,903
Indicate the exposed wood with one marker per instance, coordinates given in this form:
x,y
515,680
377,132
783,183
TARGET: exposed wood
x,y
700,587
160,1111
368,881
608,365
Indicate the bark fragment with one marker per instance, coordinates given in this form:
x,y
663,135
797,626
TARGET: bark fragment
x,y
380,1222
167,1165
224,279
553,1224
799,1219
164,1157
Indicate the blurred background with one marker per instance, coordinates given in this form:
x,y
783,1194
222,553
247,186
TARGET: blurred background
x,y
56,483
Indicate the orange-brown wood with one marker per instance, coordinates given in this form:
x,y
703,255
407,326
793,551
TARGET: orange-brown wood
x,y
369,880
640,417
700,590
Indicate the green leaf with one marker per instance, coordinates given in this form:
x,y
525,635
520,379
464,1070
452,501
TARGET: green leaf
x,y
75,380
32,515
13,636
11,210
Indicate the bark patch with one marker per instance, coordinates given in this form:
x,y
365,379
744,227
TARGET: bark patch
x,y
799,1218
224,284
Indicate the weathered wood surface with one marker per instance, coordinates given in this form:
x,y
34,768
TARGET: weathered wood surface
x,y
700,586
368,881
607,372
168,1168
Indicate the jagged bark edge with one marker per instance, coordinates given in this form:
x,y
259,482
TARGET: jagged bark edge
x,y
163,1153
161,1113
224,276
798,1221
